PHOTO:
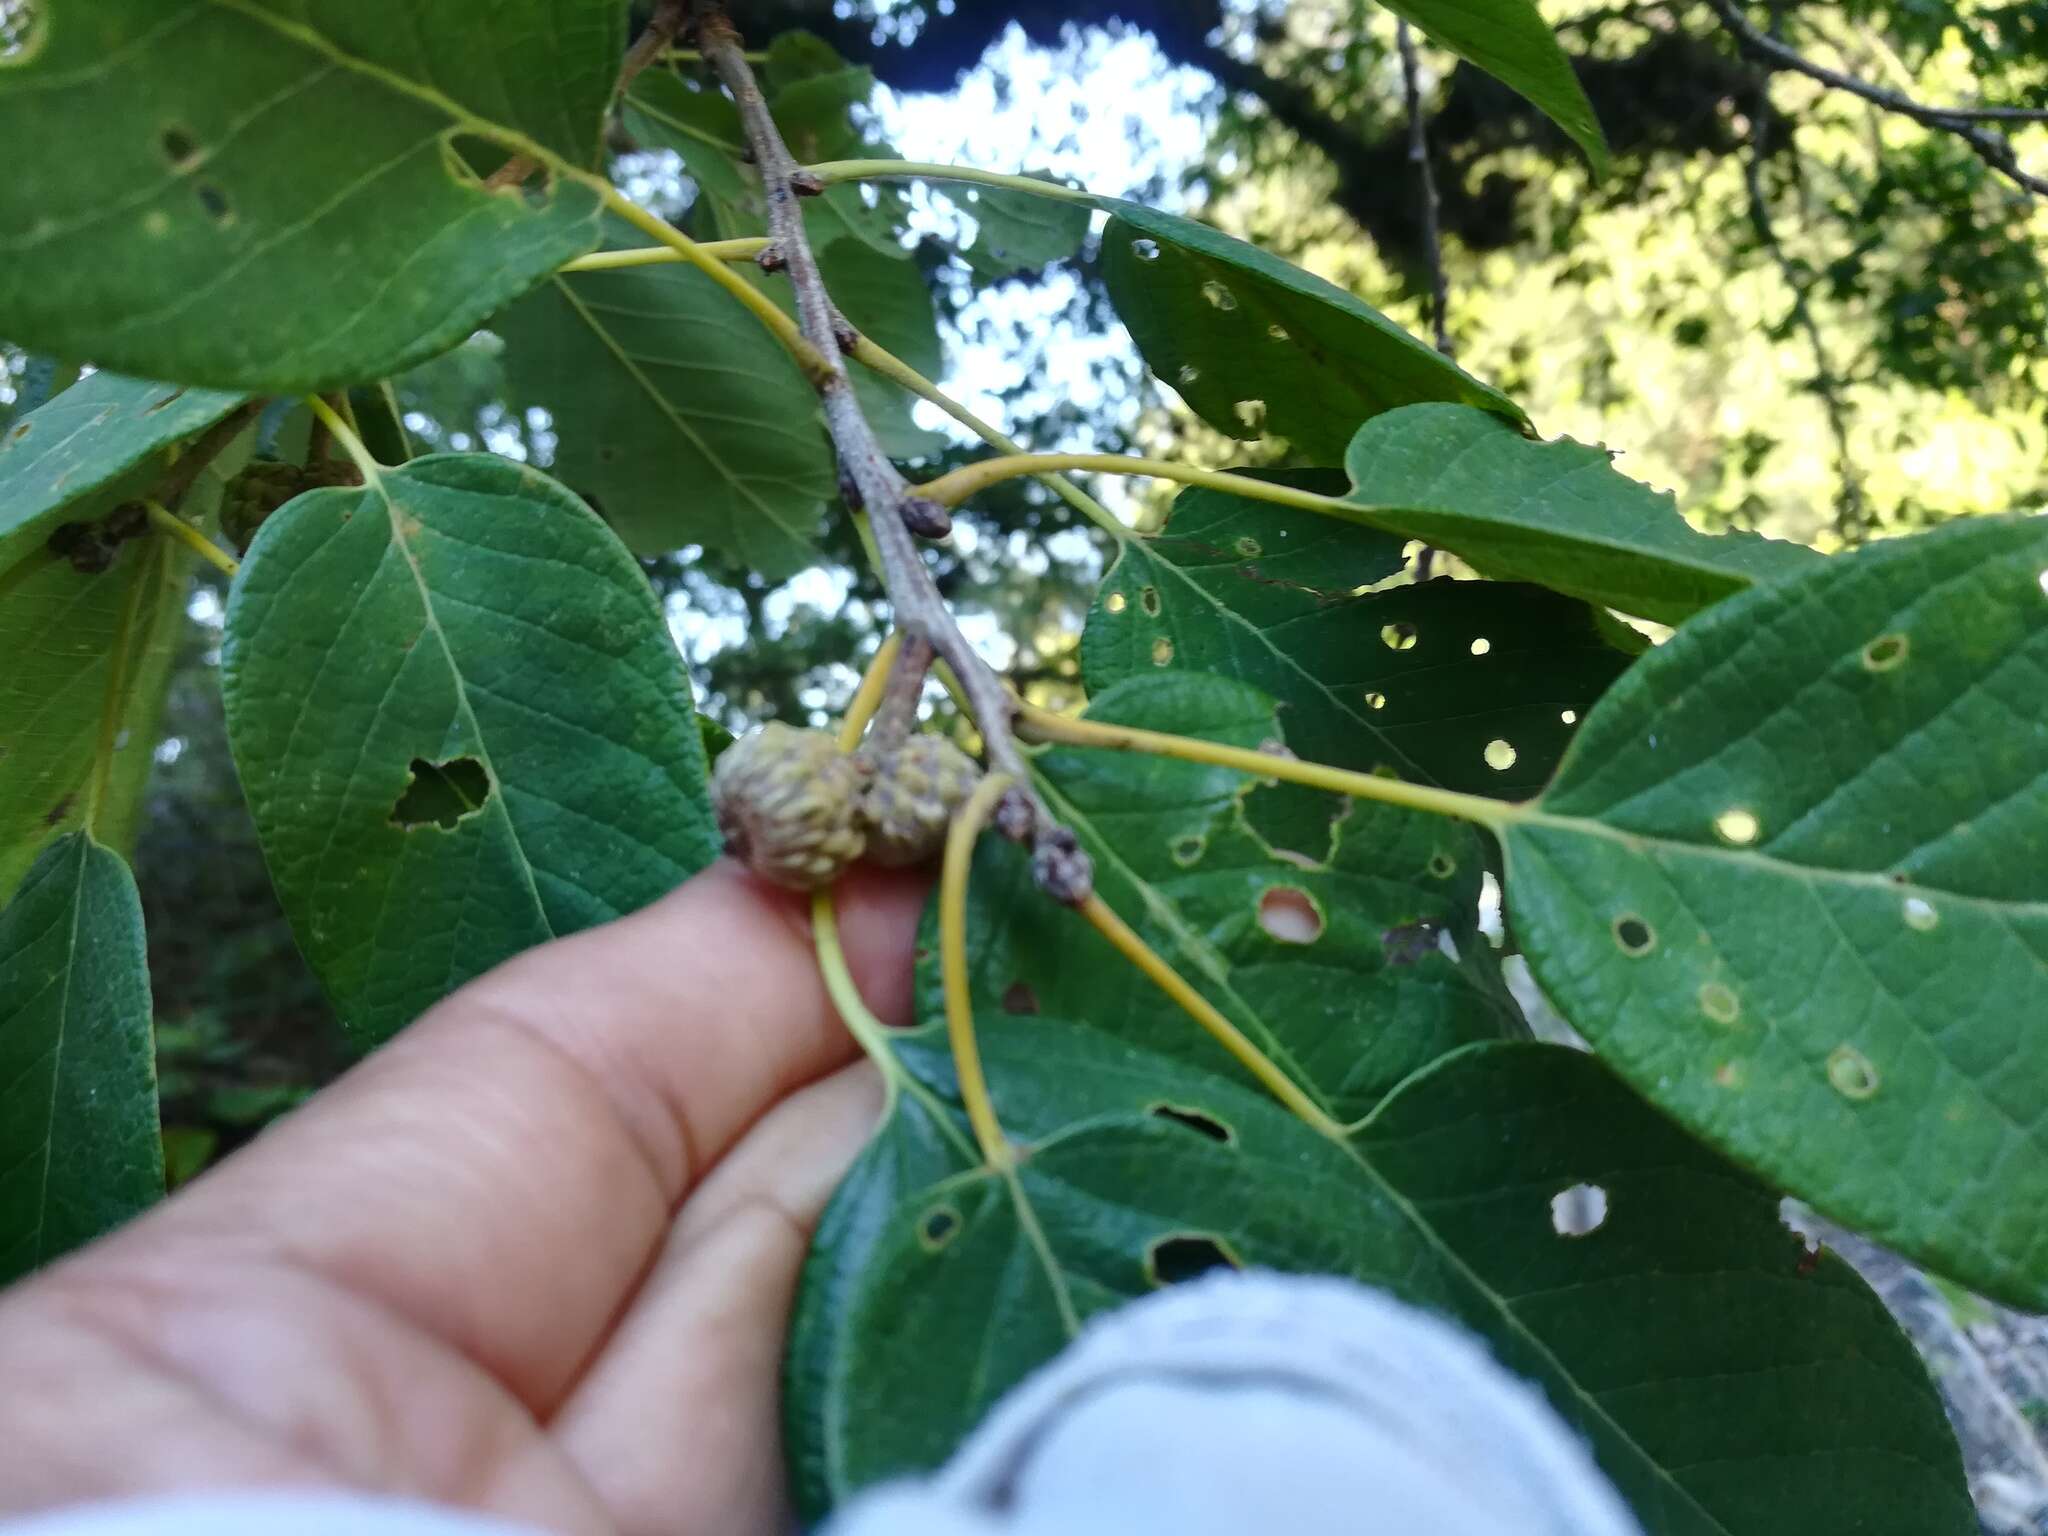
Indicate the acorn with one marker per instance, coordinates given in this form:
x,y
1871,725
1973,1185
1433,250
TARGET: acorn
x,y
787,801
911,797
263,486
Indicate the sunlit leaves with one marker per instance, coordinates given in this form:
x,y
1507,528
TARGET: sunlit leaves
x,y
461,726
250,194
1511,41
79,1147
1255,345
1555,513
1792,880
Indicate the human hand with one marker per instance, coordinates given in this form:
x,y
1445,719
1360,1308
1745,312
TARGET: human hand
x,y
534,1257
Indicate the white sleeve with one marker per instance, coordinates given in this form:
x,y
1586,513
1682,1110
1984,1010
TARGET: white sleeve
x,y
270,1513
1261,1402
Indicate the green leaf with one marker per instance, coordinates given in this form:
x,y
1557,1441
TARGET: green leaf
x,y
1554,513
285,197
1792,881
1299,948
1256,345
89,658
703,128
1510,41
89,447
466,618
80,1150
676,412
1725,1383
1020,231
1365,680
663,111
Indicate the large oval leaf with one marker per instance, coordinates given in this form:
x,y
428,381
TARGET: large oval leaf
x,y
462,728
80,1149
1792,880
675,411
261,195
1726,1382
1255,344
1554,513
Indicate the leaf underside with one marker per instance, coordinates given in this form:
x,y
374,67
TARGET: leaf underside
x,y
467,610
677,414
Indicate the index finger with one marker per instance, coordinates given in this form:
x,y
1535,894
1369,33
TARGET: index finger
x,y
502,1173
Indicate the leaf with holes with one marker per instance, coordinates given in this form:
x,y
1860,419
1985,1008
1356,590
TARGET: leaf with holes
x,y
1257,345
461,726
84,450
1020,231
676,413
259,195
1353,962
1474,686
1554,513
88,661
79,1145
1510,40
1726,1382
1792,880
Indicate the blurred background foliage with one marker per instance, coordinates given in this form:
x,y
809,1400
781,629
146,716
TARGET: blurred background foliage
x,y
1804,313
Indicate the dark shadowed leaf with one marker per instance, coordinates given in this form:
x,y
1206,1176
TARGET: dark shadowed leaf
x,y
88,656
1728,1384
79,1144
1424,679
676,412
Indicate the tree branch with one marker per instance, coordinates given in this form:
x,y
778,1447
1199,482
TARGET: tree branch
x,y
1432,209
1994,149
865,469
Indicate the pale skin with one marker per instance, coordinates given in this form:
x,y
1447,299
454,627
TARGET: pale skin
x,y
535,1257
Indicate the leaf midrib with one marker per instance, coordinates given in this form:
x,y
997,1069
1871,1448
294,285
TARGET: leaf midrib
x,y
633,371
433,618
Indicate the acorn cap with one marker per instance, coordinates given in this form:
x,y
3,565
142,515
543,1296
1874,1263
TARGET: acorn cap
x,y
912,797
786,800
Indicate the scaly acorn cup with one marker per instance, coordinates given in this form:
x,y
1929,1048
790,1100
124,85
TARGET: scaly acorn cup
x,y
264,485
787,802
911,798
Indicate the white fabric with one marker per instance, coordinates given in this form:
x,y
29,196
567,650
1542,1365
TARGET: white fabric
x,y
1262,1402
1236,1404
279,1513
